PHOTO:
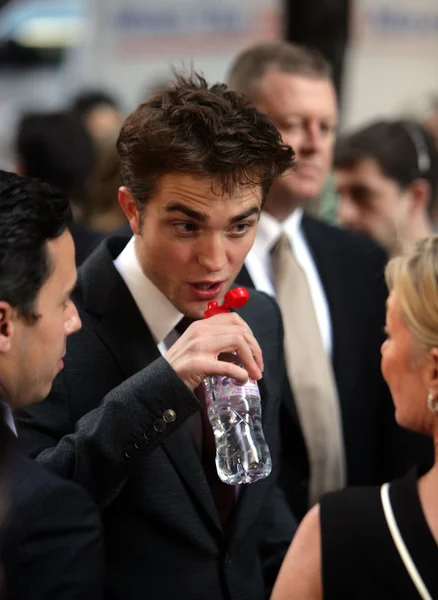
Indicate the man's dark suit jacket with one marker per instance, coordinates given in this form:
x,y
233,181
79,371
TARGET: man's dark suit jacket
x,y
351,269
163,535
51,543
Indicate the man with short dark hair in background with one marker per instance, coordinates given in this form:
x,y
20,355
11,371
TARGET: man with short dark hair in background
x,y
329,284
51,533
387,181
196,166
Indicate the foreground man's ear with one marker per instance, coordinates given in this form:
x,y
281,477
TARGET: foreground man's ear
x,y
129,207
6,327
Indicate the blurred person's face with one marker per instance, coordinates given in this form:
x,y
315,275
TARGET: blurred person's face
x,y
191,241
431,124
371,203
104,120
31,353
304,110
410,376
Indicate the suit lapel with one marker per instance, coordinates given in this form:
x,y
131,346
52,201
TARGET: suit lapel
x,y
126,334
182,453
120,324
127,337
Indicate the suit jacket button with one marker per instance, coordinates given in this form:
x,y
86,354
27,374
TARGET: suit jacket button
x,y
169,415
159,425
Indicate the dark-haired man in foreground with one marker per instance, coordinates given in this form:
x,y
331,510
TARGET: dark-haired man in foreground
x,y
50,529
196,164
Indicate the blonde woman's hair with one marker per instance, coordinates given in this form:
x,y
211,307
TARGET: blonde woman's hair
x,y
414,278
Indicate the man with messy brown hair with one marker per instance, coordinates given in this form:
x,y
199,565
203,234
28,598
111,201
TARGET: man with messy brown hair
x,y
196,165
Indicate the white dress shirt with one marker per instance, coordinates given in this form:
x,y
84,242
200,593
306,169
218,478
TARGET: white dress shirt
x,y
159,313
258,264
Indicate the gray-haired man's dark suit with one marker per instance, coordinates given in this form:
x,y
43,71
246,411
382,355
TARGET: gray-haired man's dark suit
x,y
163,535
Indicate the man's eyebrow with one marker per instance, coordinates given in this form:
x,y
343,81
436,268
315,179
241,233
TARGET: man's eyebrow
x,y
203,217
193,214
254,210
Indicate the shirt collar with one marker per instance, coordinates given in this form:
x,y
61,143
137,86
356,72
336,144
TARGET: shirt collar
x,y
158,312
269,230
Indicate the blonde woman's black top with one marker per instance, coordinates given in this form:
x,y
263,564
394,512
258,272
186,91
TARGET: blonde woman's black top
x,y
359,558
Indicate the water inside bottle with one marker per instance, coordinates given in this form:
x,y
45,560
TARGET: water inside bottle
x,y
242,455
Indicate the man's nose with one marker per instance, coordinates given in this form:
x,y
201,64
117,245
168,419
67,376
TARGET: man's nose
x,y
211,253
73,323
312,140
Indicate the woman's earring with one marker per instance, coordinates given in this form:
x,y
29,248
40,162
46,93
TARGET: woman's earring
x,y
432,404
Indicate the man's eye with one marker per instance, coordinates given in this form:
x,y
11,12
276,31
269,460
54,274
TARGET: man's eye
x,y
293,126
327,128
241,228
185,227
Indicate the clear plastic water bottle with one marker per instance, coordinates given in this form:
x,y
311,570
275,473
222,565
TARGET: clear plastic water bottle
x,y
235,413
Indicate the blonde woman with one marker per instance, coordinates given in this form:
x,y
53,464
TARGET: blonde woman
x,y
382,542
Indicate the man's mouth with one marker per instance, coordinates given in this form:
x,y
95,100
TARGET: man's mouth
x,y
206,290
207,286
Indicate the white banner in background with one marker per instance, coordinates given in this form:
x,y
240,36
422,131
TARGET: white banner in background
x,y
133,42
393,59
399,26
185,28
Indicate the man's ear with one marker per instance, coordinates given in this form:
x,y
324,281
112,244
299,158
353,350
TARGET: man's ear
x,y
130,209
6,327
420,194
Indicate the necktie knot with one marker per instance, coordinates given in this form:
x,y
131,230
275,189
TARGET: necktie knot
x,y
281,245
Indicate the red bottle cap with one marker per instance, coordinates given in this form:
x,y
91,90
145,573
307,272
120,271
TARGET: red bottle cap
x,y
235,298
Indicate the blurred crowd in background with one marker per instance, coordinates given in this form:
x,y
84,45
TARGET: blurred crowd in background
x,y
361,115
60,119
